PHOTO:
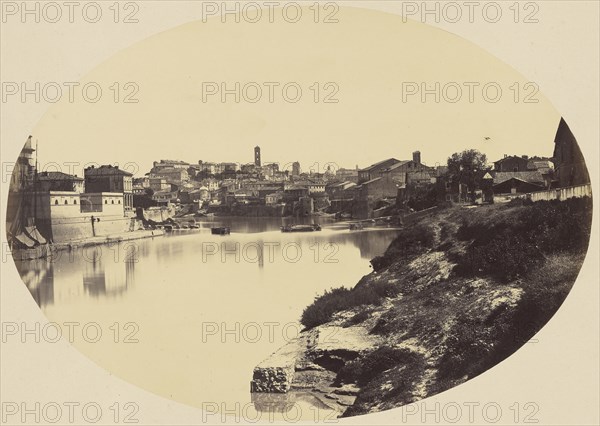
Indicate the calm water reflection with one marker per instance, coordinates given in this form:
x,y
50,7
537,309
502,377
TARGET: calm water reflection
x,y
206,308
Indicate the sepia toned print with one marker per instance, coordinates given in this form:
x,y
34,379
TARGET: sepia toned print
x,y
224,231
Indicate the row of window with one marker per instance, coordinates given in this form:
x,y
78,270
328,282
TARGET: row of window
x,y
75,202
66,202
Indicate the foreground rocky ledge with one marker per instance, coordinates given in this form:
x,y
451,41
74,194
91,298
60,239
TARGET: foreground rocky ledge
x,y
309,362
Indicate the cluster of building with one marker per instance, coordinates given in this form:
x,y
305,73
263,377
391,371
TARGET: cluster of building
x,y
205,184
357,192
514,175
510,176
360,192
104,201
348,190
64,207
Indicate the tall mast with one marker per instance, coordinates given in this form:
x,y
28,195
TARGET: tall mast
x,y
35,184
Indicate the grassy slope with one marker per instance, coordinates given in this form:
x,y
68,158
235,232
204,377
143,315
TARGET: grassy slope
x,y
455,294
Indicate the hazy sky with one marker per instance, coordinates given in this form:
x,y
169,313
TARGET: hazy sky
x,y
372,58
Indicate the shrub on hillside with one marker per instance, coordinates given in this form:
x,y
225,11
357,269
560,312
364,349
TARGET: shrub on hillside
x,y
411,240
506,256
339,299
422,198
544,291
513,246
364,369
474,345
560,225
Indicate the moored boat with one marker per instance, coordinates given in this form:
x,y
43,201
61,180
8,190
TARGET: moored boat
x,y
301,228
220,230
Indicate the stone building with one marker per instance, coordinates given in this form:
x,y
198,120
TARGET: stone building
x,y
64,216
58,181
175,176
295,168
410,171
516,186
350,175
374,170
512,163
159,184
169,164
111,179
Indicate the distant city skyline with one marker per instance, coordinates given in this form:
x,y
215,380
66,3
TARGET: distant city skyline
x,y
139,169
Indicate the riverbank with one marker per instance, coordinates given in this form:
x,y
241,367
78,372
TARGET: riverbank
x,y
111,239
454,294
49,249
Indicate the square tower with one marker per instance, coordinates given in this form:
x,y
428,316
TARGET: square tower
x,y
257,156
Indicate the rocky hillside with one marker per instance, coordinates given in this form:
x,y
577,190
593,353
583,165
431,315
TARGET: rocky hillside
x,y
454,294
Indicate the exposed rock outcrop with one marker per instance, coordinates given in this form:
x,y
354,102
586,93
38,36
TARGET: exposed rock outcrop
x,y
454,295
310,363
276,373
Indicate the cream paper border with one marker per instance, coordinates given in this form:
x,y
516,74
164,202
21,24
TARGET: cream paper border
x,y
560,373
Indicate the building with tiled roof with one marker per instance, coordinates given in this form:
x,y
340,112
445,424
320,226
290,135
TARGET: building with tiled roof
x,y
532,176
374,170
108,178
59,181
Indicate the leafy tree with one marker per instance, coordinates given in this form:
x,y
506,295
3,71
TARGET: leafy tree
x,y
421,198
464,166
468,160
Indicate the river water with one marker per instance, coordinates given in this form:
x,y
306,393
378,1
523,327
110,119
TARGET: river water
x,y
189,315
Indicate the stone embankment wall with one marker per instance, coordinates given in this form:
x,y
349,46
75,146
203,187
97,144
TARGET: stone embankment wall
x,y
158,214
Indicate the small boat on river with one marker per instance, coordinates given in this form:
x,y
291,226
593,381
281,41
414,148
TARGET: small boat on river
x,y
301,228
221,230
356,226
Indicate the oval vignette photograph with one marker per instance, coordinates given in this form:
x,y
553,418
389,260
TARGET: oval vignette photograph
x,y
310,221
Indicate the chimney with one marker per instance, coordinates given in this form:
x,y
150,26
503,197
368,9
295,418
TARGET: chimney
x,y
417,157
